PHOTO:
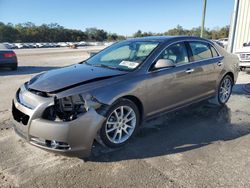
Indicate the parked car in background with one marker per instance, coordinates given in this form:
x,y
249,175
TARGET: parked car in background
x,y
82,43
217,42
8,58
30,45
62,44
20,45
107,96
223,41
108,43
244,56
39,45
52,44
10,45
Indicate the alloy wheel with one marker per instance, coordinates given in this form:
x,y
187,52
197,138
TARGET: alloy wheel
x,y
225,90
120,124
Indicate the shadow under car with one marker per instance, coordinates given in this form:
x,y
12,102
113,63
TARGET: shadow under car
x,y
187,129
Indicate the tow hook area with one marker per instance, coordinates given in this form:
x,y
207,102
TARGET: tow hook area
x,y
50,143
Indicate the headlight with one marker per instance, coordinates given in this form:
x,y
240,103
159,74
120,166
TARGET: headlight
x,y
70,108
33,79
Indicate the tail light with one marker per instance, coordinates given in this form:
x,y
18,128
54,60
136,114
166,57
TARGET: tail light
x,y
9,54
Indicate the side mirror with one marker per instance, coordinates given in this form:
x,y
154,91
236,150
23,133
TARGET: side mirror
x,y
164,63
244,44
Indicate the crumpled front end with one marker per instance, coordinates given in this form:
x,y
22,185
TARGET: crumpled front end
x,y
67,125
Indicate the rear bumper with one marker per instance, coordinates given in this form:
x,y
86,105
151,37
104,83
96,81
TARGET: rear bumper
x,y
73,138
9,64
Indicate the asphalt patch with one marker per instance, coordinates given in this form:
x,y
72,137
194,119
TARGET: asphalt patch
x,y
246,88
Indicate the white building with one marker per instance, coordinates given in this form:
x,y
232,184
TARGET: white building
x,y
240,25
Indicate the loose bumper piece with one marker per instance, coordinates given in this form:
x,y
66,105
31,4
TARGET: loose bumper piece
x,y
73,138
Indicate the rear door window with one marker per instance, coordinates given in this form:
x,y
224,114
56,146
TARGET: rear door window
x,y
200,51
214,52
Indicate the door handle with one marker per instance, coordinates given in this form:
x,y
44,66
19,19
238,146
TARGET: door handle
x,y
219,64
188,71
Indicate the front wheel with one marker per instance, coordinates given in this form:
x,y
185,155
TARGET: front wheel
x,y
121,124
224,91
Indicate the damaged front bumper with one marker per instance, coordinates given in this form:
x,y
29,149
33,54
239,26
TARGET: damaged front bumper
x,y
74,138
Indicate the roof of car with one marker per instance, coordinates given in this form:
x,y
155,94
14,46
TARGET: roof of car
x,y
165,38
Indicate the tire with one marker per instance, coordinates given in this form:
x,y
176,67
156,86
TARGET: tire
x,y
116,130
224,91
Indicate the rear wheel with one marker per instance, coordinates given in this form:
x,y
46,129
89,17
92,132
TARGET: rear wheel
x,y
121,124
224,91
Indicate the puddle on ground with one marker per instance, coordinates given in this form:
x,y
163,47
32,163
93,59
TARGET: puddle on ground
x,y
198,112
189,128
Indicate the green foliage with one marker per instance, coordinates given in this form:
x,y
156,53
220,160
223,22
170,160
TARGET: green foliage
x,y
53,32
139,33
179,30
8,33
29,32
95,34
115,37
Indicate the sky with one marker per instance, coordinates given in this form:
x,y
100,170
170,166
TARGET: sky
x,y
118,16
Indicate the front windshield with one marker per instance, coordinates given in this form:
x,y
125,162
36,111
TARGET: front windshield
x,y
125,56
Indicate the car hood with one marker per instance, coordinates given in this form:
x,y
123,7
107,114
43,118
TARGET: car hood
x,y
65,78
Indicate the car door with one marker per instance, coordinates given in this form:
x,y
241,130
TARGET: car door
x,y
218,66
203,53
169,88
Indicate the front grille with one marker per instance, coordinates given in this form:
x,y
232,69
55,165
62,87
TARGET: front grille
x,y
245,56
248,57
39,93
19,116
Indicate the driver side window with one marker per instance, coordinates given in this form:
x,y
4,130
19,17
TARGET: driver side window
x,y
176,52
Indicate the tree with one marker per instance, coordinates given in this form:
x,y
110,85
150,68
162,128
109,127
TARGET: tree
x,y
95,34
7,33
53,32
112,37
224,32
177,31
137,34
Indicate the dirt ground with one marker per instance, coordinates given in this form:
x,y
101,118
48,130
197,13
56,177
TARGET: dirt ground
x,y
199,146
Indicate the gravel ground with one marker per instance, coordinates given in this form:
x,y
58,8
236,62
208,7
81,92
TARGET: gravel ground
x,y
199,146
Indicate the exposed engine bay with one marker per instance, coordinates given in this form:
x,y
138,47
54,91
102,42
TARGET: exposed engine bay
x,y
66,109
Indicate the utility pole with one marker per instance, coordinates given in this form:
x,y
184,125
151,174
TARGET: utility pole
x,y
203,17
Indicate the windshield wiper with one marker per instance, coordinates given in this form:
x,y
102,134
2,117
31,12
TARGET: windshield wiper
x,y
109,67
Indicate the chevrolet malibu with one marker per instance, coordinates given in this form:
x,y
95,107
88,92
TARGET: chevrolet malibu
x,y
108,96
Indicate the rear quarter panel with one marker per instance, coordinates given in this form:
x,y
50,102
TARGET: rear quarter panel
x,y
230,63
